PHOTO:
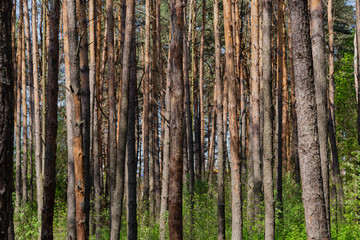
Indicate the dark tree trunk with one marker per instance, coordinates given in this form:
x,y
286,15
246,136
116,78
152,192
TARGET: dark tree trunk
x,y
175,73
51,122
131,142
7,81
309,149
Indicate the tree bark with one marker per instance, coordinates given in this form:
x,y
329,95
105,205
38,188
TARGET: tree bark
x,y
71,204
37,113
268,156
18,191
24,113
124,106
81,6
309,149
201,90
78,144
7,81
131,142
219,126
51,122
319,61
233,125
281,74
146,107
175,73
255,143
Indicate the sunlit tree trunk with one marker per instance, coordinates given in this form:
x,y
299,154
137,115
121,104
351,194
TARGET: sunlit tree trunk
x,y
357,70
309,149
233,125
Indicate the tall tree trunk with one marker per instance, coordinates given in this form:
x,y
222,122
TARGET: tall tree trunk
x,y
281,74
78,144
166,160
94,109
7,81
319,61
195,94
71,204
112,105
294,136
24,114
309,149
255,183
146,107
81,6
233,125
30,81
44,49
37,123
116,205
175,73
201,90
219,126
18,114
268,156
131,142
51,122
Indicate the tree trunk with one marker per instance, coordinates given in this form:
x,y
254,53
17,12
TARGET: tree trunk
x,y
30,80
71,205
233,125
281,74
255,183
175,73
309,149
131,143
78,144
201,90
319,61
18,114
7,81
81,6
146,107
166,161
51,122
37,121
219,126
268,156
24,114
